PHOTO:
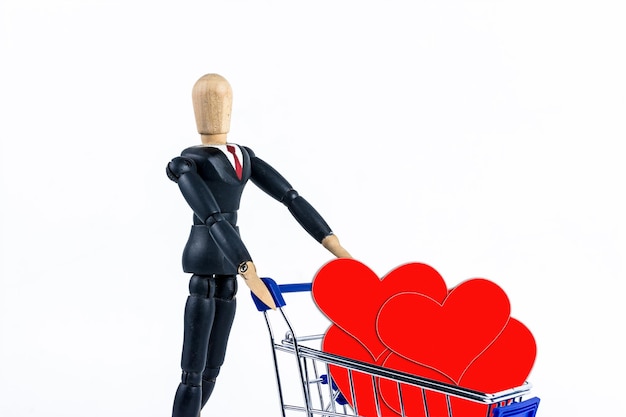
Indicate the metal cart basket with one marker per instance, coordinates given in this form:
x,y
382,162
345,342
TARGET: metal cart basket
x,y
318,394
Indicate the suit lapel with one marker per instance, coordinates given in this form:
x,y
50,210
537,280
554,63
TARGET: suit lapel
x,y
223,166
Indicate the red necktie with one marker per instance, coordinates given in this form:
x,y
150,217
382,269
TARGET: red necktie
x,y
238,169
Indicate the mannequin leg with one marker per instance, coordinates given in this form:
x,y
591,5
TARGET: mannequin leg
x,y
225,306
199,318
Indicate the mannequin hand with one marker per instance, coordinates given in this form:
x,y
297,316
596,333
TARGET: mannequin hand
x,y
247,271
331,242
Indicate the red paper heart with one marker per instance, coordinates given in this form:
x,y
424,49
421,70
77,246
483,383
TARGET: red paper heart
x,y
446,336
350,294
462,336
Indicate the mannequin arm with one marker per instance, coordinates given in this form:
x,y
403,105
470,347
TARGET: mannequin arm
x,y
274,184
331,243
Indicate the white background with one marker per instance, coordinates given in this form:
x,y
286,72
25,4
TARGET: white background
x,y
484,138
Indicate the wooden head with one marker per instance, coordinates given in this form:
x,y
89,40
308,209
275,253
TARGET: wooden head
x,y
212,103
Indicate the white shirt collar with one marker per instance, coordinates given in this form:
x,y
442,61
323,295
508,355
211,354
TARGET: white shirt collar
x,y
229,155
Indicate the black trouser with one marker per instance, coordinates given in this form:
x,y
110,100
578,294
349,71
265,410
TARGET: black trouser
x,y
209,315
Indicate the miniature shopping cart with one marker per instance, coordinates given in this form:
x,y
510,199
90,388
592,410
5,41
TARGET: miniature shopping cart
x,y
318,395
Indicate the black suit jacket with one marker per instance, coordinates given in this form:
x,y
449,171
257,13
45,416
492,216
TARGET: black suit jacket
x,y
210,185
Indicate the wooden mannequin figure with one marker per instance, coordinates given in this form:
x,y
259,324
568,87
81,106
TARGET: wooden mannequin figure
x,y
211,177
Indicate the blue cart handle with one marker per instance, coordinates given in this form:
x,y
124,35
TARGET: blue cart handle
x,y
303,287
277,292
